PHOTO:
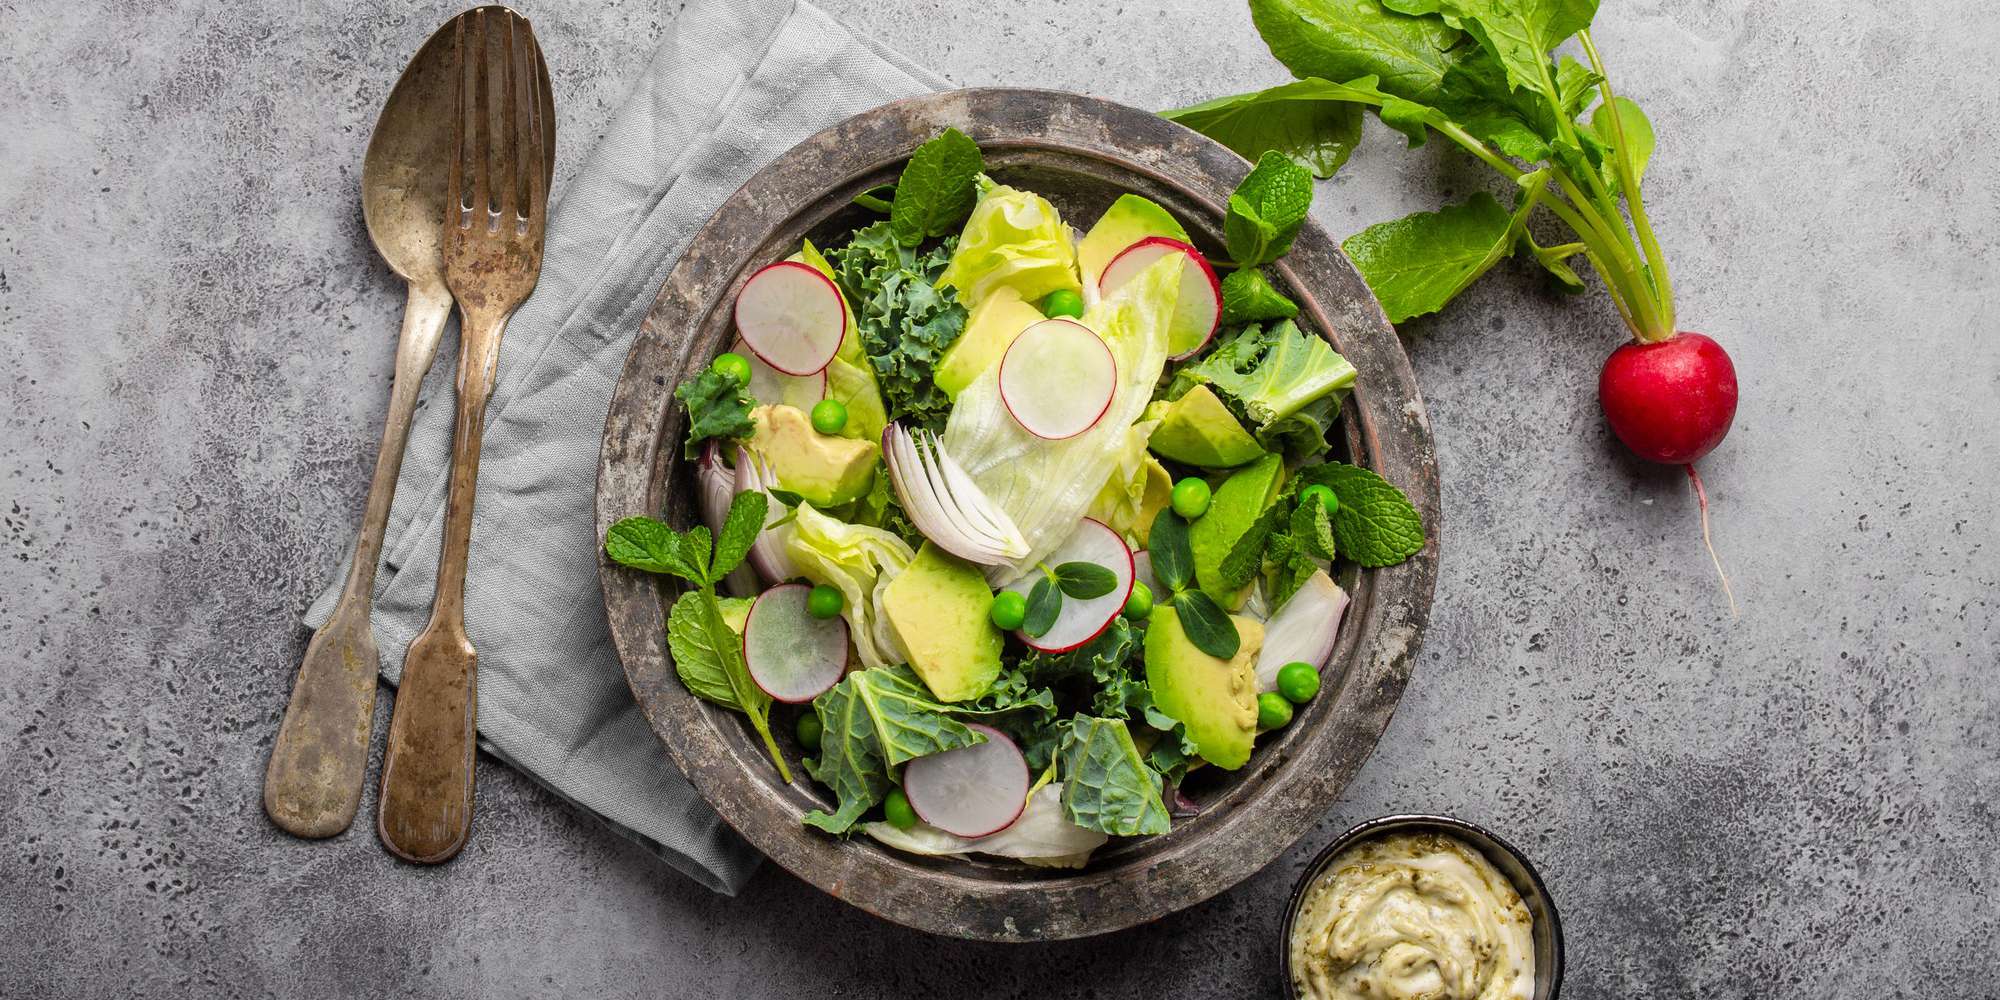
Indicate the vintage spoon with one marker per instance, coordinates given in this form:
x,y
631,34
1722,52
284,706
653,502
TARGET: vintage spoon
x,y
312,787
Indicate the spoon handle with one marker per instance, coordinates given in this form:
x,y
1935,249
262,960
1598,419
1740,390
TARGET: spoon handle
x,y
312,786
425,813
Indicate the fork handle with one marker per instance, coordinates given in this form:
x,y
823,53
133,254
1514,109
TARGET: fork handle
x,y
425,814
312,786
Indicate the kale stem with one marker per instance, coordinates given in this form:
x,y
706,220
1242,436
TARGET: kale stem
x,y
1634,201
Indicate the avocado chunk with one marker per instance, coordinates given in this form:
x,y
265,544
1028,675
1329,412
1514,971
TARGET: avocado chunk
x,y
1128,220
827,471
1238,501
1215,699
1197,429
1159,493
989,330
937,606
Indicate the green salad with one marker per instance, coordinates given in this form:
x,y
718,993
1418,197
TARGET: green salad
x,y
1017,529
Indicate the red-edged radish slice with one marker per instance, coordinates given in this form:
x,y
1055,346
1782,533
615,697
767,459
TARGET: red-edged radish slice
x,y
767,554
791,316
974,791
1082,620
1303,631
793,656
769,385
1197,313
1057,379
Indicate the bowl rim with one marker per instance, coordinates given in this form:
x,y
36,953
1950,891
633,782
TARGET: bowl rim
x,y
1385,422
1477,835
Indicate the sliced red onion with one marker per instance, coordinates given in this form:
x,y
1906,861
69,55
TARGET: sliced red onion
x,y
767,553
943,501
1303,630
715,487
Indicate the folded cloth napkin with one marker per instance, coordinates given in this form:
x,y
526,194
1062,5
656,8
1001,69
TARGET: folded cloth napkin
x,y
734,84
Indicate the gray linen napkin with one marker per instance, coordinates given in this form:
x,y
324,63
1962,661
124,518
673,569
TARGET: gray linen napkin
x,y
734,84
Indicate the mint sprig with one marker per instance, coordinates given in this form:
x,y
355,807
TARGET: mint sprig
x,y
936,191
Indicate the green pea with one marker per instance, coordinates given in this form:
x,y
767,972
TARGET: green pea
x,y
810,730
896,807
824,602
1298,682
1009,610
1062,302
1325,495
829,416
1139,606
734,365
1191,497
1273,712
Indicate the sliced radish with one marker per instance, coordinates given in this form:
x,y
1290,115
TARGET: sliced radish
x,y
793,656
1057,378
767,554
974,791
1303,630
717,488
1082,620
769,385
1198,311
791,316
943,501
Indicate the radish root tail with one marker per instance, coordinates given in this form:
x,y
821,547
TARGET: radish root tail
x,y
1701,498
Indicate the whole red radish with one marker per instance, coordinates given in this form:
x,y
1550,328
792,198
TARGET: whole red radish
x,y
1670,401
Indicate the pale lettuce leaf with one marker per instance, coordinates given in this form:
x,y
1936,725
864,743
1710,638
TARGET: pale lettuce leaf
x,y
1014,239
1046,486
858,561
1042,836
1119,503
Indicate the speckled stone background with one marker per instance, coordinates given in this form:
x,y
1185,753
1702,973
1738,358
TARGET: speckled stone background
x,y
1796,803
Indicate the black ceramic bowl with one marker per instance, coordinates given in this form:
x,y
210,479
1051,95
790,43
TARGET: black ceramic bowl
x,y
1519,871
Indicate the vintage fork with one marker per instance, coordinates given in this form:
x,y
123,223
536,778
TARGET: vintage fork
x,y
494,221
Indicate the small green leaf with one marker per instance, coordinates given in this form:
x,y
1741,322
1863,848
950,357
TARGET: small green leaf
x,y
741,528
718,406
877,198
1206,625
1376,524
646,543
1044,604
1637,148
1303,120
1266,210
701,658
1249,297
696,547
1408,117
1173,555
1554,260
1246,556
1313,529
936,190
1418,263
1084,580
786,497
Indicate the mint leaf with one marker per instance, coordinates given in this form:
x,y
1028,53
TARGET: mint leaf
x,y
936,192
1249,297
1106,784
1246,556
1418,263
1173,555
1345,39
701,657
1313,530
718,406
646,543
739,530
1044,604
1303,121
1376,525
1085,580
1266,210
1206,625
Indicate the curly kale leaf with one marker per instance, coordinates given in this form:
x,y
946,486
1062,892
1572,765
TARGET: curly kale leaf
x,y
718,406
1285,382
904,319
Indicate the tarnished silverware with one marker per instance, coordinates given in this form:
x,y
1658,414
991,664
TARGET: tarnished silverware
x,y
312,786
495,215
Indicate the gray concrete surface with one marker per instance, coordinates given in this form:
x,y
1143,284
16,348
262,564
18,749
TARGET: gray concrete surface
x,y
1796,803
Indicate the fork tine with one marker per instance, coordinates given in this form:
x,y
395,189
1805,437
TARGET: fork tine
x,y
471,166
497,90
529,154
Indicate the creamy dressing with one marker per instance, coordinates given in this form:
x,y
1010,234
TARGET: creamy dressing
x,y
1412,917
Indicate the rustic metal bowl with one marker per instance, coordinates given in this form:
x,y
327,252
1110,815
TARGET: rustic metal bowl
x,y
1515,866
1081,153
